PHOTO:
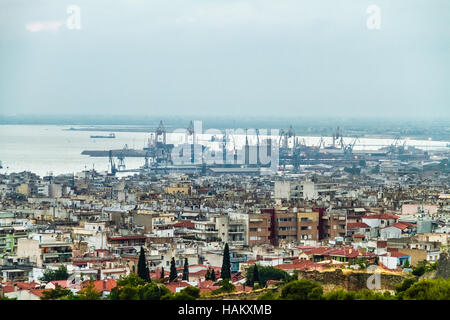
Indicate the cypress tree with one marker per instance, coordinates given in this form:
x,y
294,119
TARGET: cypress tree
x,y
173,271
255,274
212,277
162,273
208,275
143,271
186,270
226,265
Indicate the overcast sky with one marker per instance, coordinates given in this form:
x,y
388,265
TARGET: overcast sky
x,y
219,57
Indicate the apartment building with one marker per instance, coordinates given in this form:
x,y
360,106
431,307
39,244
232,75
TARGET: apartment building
x,y
285,225
303,190
44,250
259,229
308,225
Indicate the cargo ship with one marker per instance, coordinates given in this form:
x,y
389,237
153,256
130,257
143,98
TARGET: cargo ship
x,y
109,136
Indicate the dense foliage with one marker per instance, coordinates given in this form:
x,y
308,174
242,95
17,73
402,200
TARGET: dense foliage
x,y
265,274
301,290
226,264
186,270
135,288
225,287
54,275
143,271
410,289
173,271
57,294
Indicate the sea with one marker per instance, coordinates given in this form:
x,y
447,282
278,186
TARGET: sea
x,y
55,149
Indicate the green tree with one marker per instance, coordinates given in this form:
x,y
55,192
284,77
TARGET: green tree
x,y
301,290
162,273
152,291
226,265
428,290
143,271
55,275
186,270
208,275
400,289
188,293
266,273
213,275
268,295
407,264
422,267
255,275
89,293
225,287
173,271
135,288
57,294
340,294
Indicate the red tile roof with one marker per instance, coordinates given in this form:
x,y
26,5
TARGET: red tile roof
x,y
8,289
357,225
319,251
172,286
300,265
401,225
37,292
384,216
184,224
102,285
398,254
26,285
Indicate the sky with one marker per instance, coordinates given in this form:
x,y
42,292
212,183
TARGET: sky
x,y
217,58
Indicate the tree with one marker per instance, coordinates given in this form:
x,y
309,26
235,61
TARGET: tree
x,y
428,290
54,275
226,265
340,294
135,288
407,264
173,271
255,275
89,292
443,266
301,290
186,270
268,295
57,294
208,275
266,273
188,293
143,271
225,287
213,275
400,289
162,273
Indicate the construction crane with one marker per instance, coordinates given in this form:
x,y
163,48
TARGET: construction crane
x,y
112,164
348,148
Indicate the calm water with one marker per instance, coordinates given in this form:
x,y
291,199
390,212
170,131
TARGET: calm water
x,y
44,149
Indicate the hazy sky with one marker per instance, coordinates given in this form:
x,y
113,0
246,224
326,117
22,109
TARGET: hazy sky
x,y
219,57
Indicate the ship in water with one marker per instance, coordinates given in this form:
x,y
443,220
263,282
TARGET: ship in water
x,y
109,136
